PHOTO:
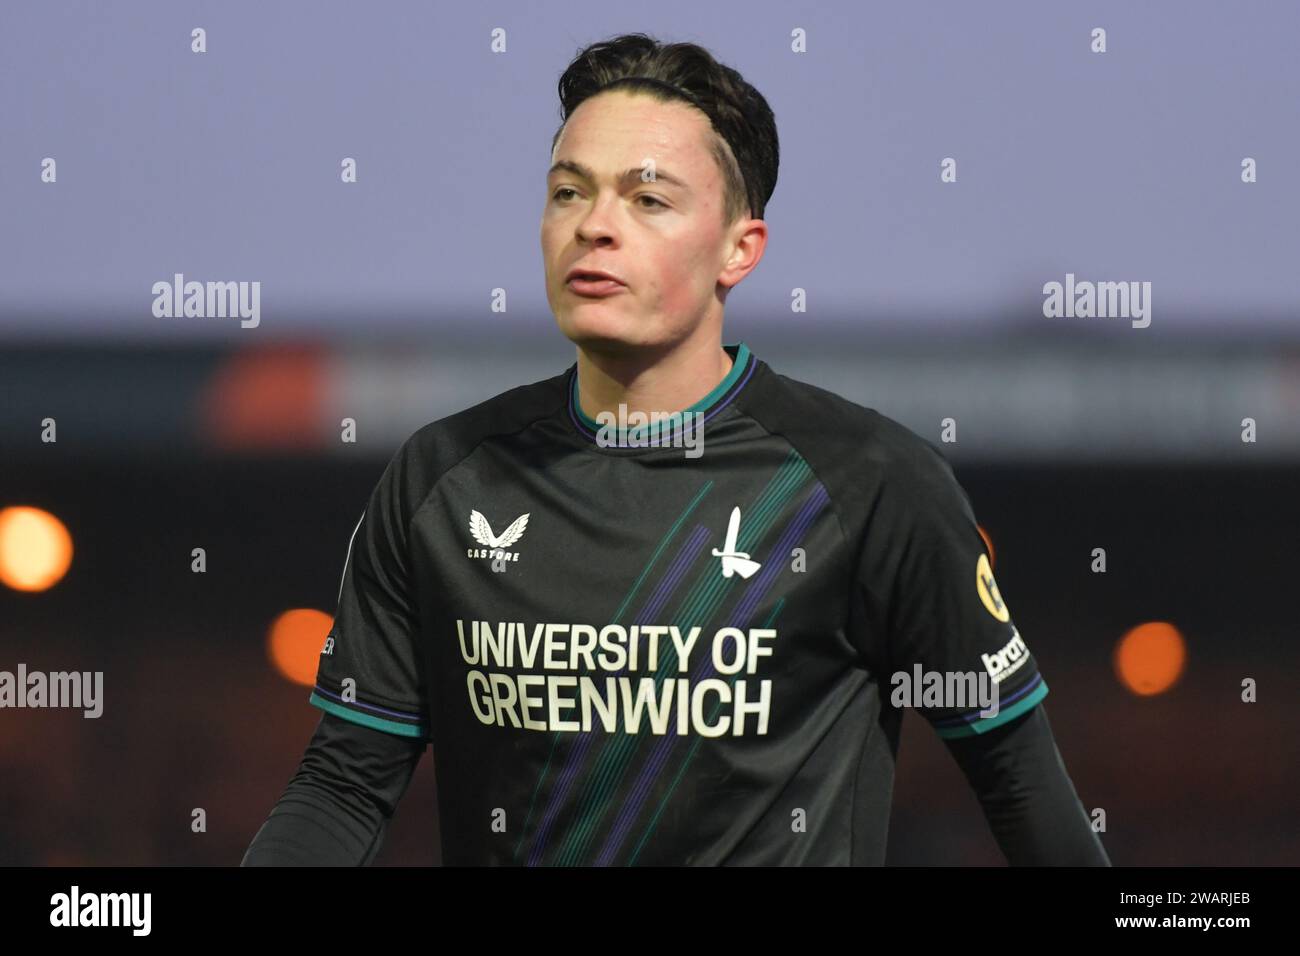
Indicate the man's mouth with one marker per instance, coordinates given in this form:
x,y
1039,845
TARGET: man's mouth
x,y
594,286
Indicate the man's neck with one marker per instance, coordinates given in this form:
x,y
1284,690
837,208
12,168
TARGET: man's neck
x,y
650,382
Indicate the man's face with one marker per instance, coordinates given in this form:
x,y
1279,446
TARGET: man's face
x,y
664,240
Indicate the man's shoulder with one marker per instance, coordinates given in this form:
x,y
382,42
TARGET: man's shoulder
x,y
827,425
879,473
435,448
509,411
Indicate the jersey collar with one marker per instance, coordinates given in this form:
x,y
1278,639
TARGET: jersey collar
x,y
742,368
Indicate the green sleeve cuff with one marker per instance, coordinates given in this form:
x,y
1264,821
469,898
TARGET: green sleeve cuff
x,y
366,720
985,724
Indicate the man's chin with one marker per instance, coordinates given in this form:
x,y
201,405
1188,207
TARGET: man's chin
x,y
594,333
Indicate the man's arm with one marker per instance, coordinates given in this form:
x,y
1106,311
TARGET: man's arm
x,y
1028,799
337,806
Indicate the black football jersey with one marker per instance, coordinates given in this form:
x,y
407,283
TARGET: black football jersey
x,y
677,643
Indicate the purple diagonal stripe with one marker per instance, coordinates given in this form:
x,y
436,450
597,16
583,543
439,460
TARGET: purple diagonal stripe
x,y
755,591
577,753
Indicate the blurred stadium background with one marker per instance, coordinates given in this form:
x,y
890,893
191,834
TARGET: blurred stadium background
x,y
924,301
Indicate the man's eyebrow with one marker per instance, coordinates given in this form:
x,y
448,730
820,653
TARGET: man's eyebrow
x,y
628,175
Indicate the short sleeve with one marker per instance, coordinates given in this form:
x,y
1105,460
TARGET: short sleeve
x,y
370,669
950,644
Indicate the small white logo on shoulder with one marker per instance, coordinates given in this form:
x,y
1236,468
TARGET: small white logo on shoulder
x,y
1004,662
493,545
733,561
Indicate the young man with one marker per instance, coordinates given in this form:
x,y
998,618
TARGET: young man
x,y
677,642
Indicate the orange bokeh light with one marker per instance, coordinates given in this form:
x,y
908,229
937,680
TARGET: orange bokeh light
x,y
1150,658
294,643
35,549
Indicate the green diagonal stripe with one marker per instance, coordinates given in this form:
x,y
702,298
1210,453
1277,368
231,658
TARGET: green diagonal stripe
x,y
618,616
681,771
701,605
